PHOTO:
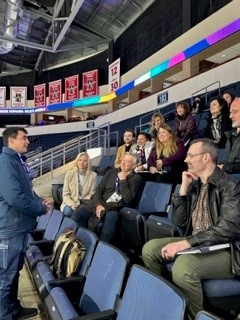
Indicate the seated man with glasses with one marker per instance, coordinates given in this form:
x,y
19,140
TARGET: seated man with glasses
x,y
231,164
207,206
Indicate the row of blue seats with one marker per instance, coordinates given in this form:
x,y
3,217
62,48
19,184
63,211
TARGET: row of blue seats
x,y
153,219
96,292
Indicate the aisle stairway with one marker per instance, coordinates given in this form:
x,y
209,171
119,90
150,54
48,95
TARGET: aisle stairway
x,y
29,296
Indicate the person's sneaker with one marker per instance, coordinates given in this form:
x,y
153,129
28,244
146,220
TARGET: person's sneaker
x,y
25,313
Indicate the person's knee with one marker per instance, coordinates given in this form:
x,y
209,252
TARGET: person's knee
x,y
182,271
149,248
111,216
82,216
67,211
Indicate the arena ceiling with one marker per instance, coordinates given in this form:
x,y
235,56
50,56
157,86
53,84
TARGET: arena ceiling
x,y
41,34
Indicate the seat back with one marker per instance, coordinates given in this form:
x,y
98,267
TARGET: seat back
x,y
57,189
66,222
104,279
112,161
90,240
99,179
43,221
223,294
148,296
204,315
103,166
53,225
104,162
155,198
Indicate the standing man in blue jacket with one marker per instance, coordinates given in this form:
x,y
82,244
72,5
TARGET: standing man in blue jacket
x,y
19,207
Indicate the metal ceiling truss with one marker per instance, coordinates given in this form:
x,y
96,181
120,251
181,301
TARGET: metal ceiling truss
x,y
59,26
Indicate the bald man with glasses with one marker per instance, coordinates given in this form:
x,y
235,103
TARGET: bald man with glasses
x,y
207,207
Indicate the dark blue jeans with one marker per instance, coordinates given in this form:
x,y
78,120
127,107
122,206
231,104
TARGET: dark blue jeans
x,y
12,252
109,220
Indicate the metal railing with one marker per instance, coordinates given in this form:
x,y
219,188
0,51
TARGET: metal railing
x,y
53,158
205,89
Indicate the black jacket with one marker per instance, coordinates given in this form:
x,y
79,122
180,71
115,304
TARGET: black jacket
x,y
232,155
226,125
224,206
130,190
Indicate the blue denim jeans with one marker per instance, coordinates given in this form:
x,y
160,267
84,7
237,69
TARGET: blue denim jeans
x,y
12,252
109,220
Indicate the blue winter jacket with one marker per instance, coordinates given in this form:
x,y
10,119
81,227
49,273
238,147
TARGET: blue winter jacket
x,y
19,205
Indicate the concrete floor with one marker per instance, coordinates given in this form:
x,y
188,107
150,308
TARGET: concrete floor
x,y
29,296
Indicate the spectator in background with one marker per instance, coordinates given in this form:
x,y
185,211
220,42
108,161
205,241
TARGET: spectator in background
x,y
228,96
232,154
219,122
198,105
142,149
156,121
186,125
117,189
79,185
128,138
168,155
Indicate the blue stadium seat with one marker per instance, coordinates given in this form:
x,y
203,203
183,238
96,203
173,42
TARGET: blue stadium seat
x,y
148,296
48,237
43,275
222,294
102,287
154,200
37,233
204,315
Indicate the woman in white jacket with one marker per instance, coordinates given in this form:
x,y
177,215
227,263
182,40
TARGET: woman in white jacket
x,y
79,184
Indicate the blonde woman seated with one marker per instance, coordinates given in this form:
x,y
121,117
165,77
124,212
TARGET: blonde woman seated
x,y
79,185
167,156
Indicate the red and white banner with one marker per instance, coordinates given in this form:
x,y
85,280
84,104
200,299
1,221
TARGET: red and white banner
x,y
90,83
2,97
114,76
18,97
40,95
72,88
55,91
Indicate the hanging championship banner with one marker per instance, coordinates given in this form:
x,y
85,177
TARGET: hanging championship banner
x,y
40,95
72,88
55,91
90,83
18,96
114,76
2,97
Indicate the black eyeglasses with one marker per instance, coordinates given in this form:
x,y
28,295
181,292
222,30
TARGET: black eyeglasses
x,y
192,155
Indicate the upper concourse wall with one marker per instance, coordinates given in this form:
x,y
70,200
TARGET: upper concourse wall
x,y
226,73
214,22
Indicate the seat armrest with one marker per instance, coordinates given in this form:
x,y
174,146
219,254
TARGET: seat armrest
x,y
72,286
46,246
102,315
67,281
37,234
44,258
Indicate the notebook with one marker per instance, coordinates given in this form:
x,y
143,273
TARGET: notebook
x,y
205,249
